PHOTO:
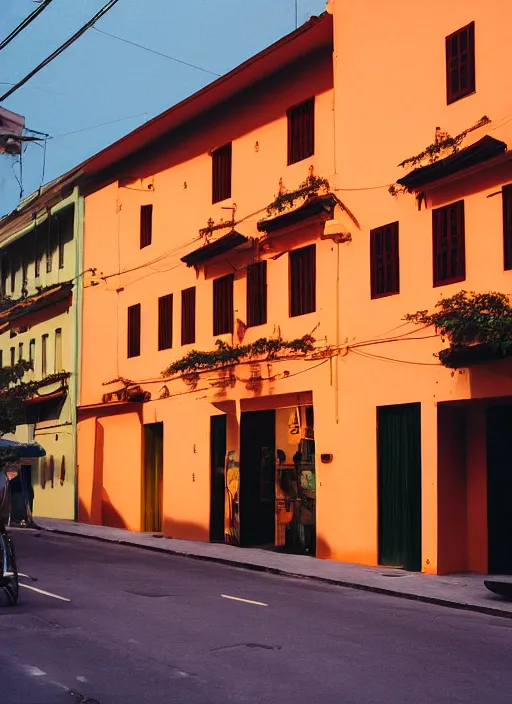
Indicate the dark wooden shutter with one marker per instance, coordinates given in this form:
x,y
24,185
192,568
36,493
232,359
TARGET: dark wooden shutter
x,y
507,226
223,309
165,322
188,316
221,173
460,63
303,280
301,131
449,259
134,320
61,225
257,294
146,225
384,261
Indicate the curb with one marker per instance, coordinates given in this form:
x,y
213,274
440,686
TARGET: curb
x,y
460,606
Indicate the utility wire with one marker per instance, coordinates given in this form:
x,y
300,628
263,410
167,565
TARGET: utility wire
x,y
28,19
158,53
62,48
102,124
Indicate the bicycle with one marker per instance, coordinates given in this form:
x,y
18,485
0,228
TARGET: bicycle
x,y
9,584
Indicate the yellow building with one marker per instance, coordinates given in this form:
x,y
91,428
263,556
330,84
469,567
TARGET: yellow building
x,y
40,256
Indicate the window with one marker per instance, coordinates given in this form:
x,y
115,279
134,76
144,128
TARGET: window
x,y
460,63
188,316
221,173
1,359
448,244
223,312
5,273
60,242
303,280
146,225
37,260
384,260
134,330
301,131
13,356
165,322
13,274
32,353
20,352
257,294
44,355
507,226
48,234
58,351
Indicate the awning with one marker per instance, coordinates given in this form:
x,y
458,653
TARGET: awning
x,y
483,150
21,450
31,304
313,206
214,249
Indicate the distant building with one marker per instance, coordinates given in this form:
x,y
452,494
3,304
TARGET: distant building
x,y
40,268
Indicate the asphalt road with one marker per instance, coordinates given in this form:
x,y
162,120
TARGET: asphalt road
x,y
146,627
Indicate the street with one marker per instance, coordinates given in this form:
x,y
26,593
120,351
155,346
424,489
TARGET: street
x,y
121,625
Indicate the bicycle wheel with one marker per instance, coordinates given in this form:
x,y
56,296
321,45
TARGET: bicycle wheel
x,y
9,580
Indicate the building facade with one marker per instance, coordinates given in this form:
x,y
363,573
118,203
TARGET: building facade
x,y
40,268
208,231
426,447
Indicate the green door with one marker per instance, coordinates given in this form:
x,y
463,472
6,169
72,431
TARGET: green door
x,y
399,485
153,477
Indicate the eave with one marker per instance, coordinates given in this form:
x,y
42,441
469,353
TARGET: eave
x,y
473,355
32,304
463,161
218,247
314,206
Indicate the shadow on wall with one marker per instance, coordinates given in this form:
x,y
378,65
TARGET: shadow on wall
x,y
109,516
184,530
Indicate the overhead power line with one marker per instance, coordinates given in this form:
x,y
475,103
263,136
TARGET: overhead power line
x,y
28,19
158,53
62,48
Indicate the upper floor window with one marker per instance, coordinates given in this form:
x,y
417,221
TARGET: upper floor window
x,y
303,280
49,237
165,322
460,63
449,244
13,356
223,309
14,264
301,131
58,367
257,294
221,173
146,225
134,319
60,243
20,352
384,260
507,226
32,352
188,316
44,355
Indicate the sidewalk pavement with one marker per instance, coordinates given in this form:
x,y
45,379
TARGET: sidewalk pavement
x,y
464,591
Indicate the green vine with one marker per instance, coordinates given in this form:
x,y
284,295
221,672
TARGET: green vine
x,y
229,355
468,319
287,199
443,142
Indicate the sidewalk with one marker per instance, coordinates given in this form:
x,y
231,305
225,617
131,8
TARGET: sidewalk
x,y
454,591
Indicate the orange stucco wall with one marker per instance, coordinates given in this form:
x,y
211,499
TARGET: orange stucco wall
x,y
390,90
176,179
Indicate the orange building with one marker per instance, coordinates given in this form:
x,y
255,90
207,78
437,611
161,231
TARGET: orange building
x,y
430,488
206,230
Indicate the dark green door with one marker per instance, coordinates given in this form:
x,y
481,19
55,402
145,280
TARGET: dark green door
x,y
153,477
399,485
499,489
218,430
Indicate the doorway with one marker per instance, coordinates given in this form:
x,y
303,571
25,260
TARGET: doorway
x,y
499,489
153,477
218,429
257,478
399,485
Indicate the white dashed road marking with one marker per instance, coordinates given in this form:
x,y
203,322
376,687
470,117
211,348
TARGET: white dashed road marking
x,y
246,601
42,591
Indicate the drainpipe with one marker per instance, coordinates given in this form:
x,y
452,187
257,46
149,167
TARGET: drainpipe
x,y
78,234
337,358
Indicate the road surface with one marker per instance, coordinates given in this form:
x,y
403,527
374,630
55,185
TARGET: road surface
x,y
120,625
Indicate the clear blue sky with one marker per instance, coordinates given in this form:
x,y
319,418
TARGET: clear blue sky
x,y
99,79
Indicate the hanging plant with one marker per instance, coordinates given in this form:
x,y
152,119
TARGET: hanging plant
x,y
467,319
286,199
226,355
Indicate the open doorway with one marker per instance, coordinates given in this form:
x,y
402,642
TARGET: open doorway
x,y
257,478
153,477
499,489
218,429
